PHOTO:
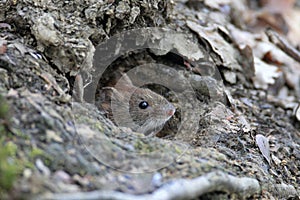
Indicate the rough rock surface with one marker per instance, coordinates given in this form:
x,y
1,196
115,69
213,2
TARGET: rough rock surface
x,y
239,123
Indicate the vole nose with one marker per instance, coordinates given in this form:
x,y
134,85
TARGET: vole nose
x,y
171,110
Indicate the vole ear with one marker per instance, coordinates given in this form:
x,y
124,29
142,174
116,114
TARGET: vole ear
x,y
124,81
113,92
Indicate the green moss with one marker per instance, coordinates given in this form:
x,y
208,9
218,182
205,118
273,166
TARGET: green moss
x,y
143,147
178,150
2,129
11,148
4,117
18,133
4,108
9,167
36,152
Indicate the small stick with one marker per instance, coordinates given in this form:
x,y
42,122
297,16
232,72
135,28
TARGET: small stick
x,y
280,42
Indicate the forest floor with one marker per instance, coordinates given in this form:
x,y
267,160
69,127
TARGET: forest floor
x,y
230,67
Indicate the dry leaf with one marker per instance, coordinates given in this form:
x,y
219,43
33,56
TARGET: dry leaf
x,y
216,4
269,58
264,147
221,47
3,46
265,74
297,114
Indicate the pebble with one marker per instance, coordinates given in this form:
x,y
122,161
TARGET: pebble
x,y
27,173
157,179
42,167
62,176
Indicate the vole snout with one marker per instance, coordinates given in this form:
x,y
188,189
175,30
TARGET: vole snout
x,y
170,110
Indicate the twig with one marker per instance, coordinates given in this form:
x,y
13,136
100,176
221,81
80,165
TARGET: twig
x,y
283,44
178,189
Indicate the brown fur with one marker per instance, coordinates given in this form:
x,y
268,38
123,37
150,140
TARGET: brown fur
x,y
125,110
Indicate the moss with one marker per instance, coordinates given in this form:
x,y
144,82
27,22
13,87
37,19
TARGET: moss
x,y
143,147
178,150
9,167
36,152
4,108
20,134
2,129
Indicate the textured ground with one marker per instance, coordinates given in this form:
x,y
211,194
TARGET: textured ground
x,y
240,122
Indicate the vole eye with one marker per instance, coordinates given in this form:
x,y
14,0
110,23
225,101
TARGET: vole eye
x,y
143,105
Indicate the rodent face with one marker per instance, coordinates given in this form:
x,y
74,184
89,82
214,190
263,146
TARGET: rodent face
x,y
149,110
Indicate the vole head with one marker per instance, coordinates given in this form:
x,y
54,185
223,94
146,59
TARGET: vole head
x,y
147,110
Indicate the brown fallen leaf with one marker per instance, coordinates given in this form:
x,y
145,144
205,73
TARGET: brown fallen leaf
x,y
271,59
275,20
3,46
